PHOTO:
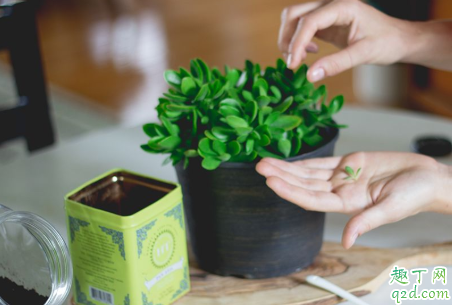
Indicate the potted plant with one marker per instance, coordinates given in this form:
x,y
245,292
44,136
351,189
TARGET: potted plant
x,y
215,126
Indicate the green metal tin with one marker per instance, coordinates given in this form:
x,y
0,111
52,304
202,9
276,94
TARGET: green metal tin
x,y
127,240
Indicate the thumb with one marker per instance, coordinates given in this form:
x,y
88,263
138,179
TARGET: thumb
x,y
383,213
338,62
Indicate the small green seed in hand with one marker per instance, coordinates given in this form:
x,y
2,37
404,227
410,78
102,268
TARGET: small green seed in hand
x,y
352,175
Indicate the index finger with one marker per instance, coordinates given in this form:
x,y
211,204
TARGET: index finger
x,y
289,21
308,199
334,13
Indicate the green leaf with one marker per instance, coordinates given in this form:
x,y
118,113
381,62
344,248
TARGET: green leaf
x,y
296,145
249,146
284,146
232,77
287,122
247,95
171,128
219,147
234,148
256,136
300,76
276,92
160,130
358,171
336,104
210,163
263,100
184,73
244,131
228,110
146,148
264,153
204,147
204,120
202,93
175,98
284,105
216,73
280,65
172,78
173,114
251,109
179,108
349,170
264,141
242,138
236,122
313,140
150,130
191,153
276,132
219,93
242,81
263,112
210,135
170,142
194,118
188,86
231,102
272,118
196,70
260,87
244,158
205,69
222,133
224,157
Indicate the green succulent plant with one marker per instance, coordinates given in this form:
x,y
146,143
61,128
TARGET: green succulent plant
x,y
239,115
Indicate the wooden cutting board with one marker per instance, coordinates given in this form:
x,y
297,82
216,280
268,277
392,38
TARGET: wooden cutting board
x,y
360,270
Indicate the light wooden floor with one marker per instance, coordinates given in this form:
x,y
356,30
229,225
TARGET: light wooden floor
x,y
115,52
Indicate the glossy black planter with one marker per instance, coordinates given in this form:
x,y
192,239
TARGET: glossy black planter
x,y
240,227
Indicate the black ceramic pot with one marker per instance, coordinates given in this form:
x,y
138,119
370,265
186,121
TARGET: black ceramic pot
x,y
240,227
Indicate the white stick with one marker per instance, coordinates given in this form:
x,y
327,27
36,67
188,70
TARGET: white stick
x,y
322,283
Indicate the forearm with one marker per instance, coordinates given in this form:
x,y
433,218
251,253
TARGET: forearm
x,y
429,44
443,202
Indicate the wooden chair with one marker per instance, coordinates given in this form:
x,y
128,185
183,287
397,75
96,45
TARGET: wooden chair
x,y
30,118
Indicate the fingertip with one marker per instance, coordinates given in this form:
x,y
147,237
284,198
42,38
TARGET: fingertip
x,y
312,47
263,168
274,182
289,60
348,240
316,74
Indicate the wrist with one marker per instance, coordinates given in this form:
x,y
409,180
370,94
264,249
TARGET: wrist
x,y
428,43
414,39
443,202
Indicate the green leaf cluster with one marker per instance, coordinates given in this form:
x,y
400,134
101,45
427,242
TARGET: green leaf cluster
x,y
239,115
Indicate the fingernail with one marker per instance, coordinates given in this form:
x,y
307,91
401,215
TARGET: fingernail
x,y
312,49
317,74
289,59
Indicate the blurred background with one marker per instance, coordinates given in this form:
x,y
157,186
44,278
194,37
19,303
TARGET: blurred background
x,y
104,59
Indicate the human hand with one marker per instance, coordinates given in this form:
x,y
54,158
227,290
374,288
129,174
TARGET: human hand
x,y
391,186
364,34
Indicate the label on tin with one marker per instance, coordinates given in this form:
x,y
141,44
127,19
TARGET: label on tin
x,y
142,265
